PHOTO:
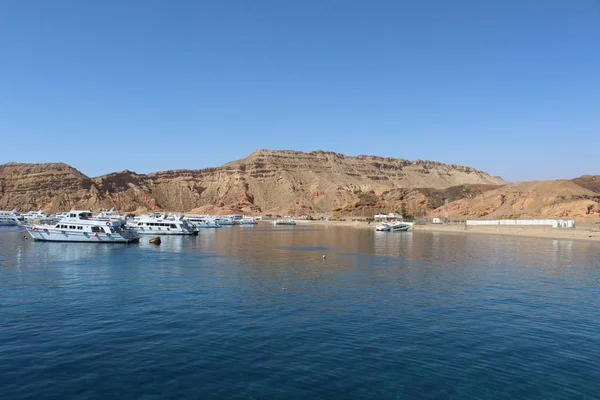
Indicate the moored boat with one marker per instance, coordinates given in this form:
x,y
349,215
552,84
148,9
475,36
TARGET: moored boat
x,y
159,224
36,216
226,221
248,221
109,215
284,222
11,218
202,221
395,226
80,226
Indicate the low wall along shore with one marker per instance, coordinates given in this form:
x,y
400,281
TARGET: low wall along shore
x,y
555,223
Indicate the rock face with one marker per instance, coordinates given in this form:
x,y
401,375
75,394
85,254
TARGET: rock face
x,y
539,199
267,181
54,186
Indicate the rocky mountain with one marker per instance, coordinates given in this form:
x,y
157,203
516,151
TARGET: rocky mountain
x,y
267,181
52,187
538,199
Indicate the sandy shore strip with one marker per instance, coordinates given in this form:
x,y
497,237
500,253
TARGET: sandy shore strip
x,y
583,231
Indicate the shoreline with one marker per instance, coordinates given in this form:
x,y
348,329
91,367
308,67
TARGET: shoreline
x,y
583,231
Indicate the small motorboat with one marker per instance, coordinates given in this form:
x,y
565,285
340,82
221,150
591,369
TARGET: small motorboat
x,y
284,222
395,226
155,240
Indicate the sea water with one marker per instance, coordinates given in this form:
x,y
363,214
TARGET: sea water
x,y
257,313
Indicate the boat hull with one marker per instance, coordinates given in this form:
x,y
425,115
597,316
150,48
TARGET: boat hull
x,y
206,226
284,222
55,235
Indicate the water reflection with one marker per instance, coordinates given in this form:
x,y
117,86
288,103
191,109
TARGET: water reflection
x,y
273,251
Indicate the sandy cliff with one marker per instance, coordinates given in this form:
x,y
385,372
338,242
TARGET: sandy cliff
x,y
266,181
538,199
54,186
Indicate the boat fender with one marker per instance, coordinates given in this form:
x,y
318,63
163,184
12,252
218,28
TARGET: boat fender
x,y
34,228
95,234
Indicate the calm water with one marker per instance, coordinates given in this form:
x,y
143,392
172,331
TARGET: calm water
x,y
256,313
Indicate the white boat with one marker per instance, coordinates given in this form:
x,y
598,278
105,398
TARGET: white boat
x,y
80,226
202,221
226,221
109,215
394,226
248,221
58,216
241,219
284,222
10,218
34,215
159,224
38,217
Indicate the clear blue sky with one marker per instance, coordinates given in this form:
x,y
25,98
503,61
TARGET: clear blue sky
x,y
508,86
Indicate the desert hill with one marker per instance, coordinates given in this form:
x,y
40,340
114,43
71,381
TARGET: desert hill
x,y
267,181
591,182
52,186
538,199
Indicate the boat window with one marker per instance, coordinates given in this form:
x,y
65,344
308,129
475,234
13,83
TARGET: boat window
x,y
96,229
173,226
80,227
112,230
72,215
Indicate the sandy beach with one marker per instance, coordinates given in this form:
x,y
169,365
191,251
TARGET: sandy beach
x,y
583,231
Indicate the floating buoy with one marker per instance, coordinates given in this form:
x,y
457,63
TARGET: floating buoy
x,y
324,256
155,240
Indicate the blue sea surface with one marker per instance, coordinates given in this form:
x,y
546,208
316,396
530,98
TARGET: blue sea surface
x,y
258,313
